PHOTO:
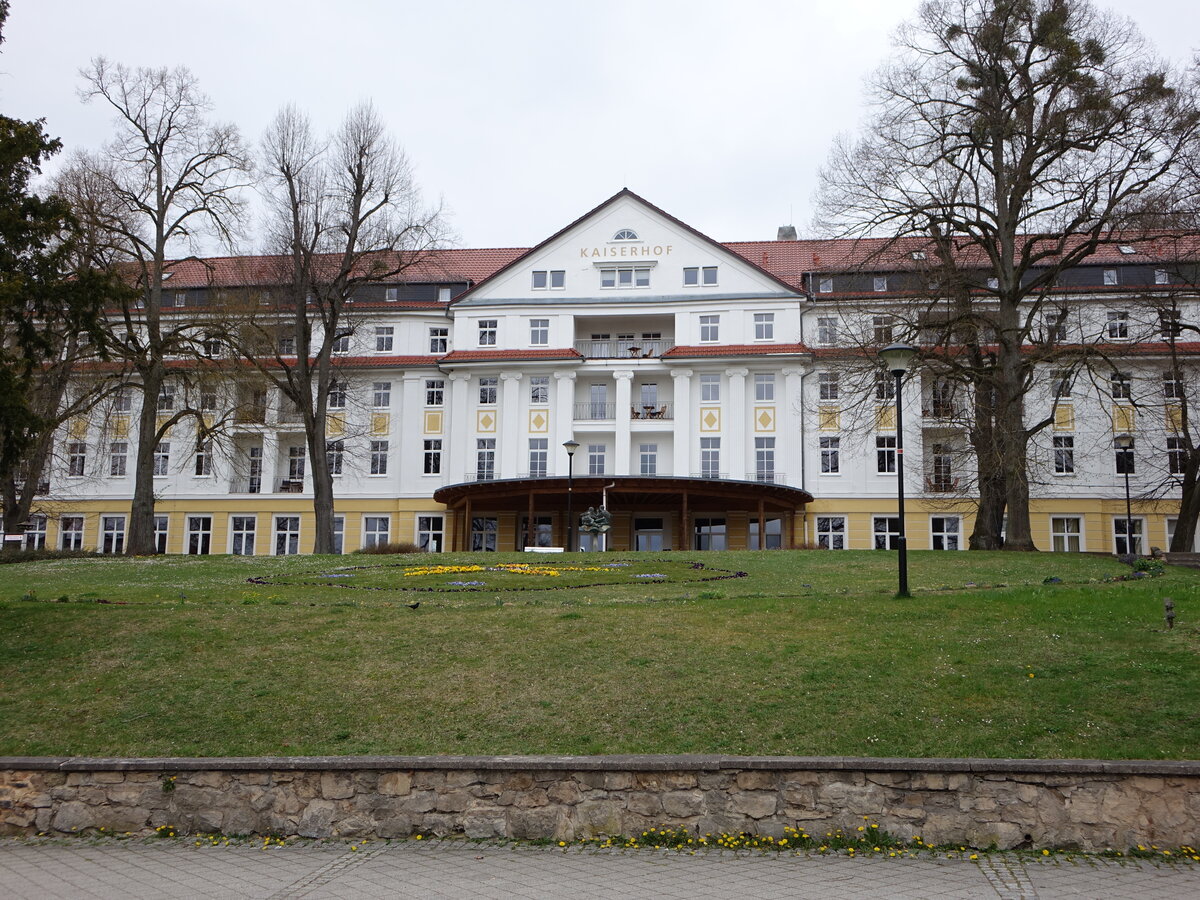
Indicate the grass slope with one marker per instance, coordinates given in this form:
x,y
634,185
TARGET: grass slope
x,y
807,654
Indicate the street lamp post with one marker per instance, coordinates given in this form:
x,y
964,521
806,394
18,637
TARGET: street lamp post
x,y
570,447
1124,443
898,358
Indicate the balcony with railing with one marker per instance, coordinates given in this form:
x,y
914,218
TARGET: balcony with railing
x,y
767,476
595,411
624,348
250,485
940,410
941,484
710,473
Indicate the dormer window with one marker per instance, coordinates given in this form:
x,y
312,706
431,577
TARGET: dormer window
x,y
694,276
626,234
554,279
1127,249
918,254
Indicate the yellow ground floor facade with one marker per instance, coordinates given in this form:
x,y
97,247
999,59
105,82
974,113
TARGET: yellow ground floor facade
x,y
276,526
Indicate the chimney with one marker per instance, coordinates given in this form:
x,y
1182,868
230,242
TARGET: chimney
x,y
786,233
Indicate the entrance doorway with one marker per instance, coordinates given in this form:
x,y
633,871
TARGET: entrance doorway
x,y
648,534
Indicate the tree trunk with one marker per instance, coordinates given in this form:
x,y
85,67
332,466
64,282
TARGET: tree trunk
x,y
989,516
322,482
1014,443
1184,539
140,539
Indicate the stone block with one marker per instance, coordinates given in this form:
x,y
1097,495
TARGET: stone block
x,y
107,777
440,824
208,779
599,816
714,781
755,780
565,792
395,784
420,802
453,801
461,778
531,799
755,804
337,786
396,826
618,781
517,781
74,816
644,804
241,820
484,823
355,825
1150,785
805,797
316,820
683,804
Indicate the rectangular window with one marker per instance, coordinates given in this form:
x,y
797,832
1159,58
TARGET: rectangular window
x,y
339,535
709,534
162,458
828,385
1125,462
439,340
296,458
337,394
76,459
487,332
381,394
487,390
625,277
1110,277
885,386
764,459
384,337
884,328
181,298
202,461
538,453
764,326
287,535
1119,385
708,275
70,533
944,532
827,331
161,524
596,458
112,534
648,459
710,329
1060,381
199,535
831,532
1055,325
880,283
831,450
710,388
335,452
539,390
1118,325
1064,455
242,530
825,285
553,279
379,457
1066,534
286,345
710,457
1161,276
431,533
391,294
122,400
887,532
341,343
212,344
208,399
1172,385
1169,323
35,533
1177,455
485,459
885,455
484,531
435,390
433,456
764,387
376,530
1127,543
118,457
539,332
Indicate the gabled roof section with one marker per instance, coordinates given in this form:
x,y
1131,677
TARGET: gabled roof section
x,y
627,194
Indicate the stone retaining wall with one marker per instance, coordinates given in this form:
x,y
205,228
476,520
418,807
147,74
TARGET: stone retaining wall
x,y
1087,804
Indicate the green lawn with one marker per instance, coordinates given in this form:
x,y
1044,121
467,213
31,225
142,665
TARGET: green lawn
x,y
805,653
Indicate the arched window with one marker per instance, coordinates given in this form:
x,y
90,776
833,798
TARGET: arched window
x,y
625,234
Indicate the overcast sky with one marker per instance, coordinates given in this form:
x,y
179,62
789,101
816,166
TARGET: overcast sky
x,y
522,115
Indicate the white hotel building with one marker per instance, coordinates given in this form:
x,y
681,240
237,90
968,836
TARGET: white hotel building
x,y
698,379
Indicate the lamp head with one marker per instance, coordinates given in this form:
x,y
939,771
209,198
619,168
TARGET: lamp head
x,y
898,357
1123,441
570,447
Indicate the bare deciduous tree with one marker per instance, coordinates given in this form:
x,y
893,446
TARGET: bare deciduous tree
x,y
1016,137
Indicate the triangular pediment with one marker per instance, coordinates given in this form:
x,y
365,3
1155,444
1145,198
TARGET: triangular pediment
x,y
626,250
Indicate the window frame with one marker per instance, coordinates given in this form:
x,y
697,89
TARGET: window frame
x,y
829,535
764,326
710,328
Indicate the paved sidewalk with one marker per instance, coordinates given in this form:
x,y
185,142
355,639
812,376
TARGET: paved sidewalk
x,y
75,870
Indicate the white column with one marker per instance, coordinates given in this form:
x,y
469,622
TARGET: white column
x,y
734,425
564,420
681,465
270,461
624,394
510,425
791,427
411,462
456,423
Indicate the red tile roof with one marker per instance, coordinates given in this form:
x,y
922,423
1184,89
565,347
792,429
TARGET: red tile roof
x,y
684,351
486,355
